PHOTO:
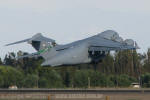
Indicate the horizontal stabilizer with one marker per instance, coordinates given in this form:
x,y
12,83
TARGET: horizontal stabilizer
x,y
39,37
33,55
38,41
26,40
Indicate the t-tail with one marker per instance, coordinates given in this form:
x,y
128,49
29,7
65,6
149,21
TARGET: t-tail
x,y
40,43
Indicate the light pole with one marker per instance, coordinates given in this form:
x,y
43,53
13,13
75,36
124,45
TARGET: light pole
x,y
89,82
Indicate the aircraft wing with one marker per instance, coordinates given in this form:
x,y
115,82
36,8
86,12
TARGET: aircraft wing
x,y
105,41
108,45
110,40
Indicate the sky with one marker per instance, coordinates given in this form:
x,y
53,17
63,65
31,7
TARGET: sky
x,y
69,20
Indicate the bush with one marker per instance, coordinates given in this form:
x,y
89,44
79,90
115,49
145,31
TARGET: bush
x,y
10,76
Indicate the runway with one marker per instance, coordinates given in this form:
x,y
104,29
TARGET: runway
x,y
76,91
75,94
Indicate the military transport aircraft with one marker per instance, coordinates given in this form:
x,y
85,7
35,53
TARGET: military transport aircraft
x,y
88,50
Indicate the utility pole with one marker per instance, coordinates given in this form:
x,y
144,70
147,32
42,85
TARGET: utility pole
x,y
89,83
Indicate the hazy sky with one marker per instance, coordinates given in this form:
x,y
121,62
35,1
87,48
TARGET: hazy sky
x,y
69,20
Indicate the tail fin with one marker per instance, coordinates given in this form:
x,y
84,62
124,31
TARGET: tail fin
x,y
38,42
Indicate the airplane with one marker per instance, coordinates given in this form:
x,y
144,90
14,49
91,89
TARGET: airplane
x,y
89,50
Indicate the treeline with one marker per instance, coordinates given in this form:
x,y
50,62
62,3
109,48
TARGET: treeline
x,y
119,69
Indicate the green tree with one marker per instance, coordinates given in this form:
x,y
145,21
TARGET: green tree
x,y
146,80
50,76
1,61
123,80
30,81
100,80
10,76
81,78
107,65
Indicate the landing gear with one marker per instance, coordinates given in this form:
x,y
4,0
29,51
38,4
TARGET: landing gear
x,y
96,57
95,66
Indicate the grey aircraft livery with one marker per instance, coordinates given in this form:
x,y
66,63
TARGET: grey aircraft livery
x,y
92,49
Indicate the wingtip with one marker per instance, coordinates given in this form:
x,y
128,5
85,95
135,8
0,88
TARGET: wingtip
x,y
6,45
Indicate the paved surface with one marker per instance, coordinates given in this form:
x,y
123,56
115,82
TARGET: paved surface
x,y
76,91
75,94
